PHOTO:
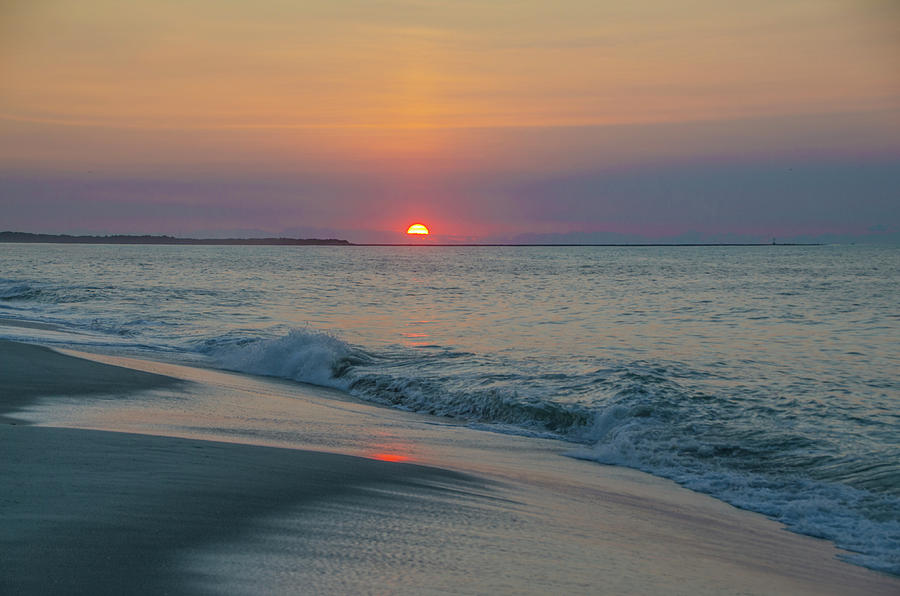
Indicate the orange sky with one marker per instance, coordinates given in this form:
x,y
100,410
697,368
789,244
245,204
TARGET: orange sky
x,y
419,93
436,64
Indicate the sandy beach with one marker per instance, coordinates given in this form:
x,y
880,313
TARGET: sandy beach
x,y
124,479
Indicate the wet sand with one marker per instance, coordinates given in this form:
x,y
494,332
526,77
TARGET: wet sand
x,y
29,371
86,510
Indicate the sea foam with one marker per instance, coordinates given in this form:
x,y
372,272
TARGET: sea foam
x,y
306,356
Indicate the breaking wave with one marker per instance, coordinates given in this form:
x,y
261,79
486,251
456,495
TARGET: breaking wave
x,y
322,359
305,356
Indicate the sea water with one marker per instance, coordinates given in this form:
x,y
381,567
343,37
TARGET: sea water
x,y
765,376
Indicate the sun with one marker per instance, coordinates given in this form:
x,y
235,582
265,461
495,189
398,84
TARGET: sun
x,y
418,229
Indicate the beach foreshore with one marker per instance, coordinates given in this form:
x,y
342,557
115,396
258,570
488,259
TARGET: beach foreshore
x,y
128,476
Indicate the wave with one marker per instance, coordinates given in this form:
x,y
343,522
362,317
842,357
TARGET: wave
x,y
648,416
759,478
19,292
306,356
27,291
322,359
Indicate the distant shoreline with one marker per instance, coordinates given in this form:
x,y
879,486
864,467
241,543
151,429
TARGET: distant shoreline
x,y
29,238
633,245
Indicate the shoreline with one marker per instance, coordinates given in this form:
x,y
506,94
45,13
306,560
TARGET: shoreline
x,y
151,240
28,372
95,511
184,515
342,243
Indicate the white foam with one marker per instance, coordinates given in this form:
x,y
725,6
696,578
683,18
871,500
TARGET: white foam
x,y
306,356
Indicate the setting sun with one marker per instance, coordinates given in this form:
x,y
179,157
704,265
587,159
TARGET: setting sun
x,y
417,228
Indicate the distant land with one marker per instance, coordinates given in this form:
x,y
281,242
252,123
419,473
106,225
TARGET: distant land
x,y
26,237
607,244
29,238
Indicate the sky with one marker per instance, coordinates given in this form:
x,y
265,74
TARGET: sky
x,y
489,120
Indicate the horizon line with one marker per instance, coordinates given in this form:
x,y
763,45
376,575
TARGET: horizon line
x,y
11,237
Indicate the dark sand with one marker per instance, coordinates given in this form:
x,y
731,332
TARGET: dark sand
x,y
94,512
28,372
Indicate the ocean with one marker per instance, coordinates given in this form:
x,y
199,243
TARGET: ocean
x,y
765,376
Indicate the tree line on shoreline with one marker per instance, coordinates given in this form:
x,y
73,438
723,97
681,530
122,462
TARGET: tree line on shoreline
x,y
27,237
